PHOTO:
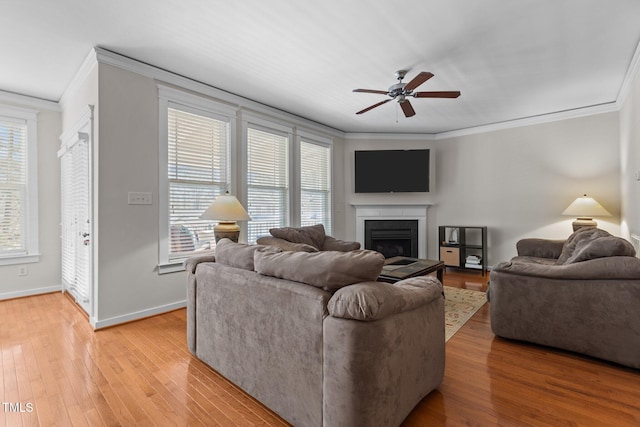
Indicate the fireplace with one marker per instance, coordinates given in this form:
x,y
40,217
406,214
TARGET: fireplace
x,y
396,212
392,237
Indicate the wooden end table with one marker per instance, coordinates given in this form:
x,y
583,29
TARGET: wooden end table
x,y
399,268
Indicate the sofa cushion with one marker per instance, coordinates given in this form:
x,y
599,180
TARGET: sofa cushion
x,y
329,270
601,247
333,244
311,235
377,300
285,245
582,234
239,255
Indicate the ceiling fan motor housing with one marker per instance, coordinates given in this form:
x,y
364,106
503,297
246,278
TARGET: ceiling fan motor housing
x,y
396,89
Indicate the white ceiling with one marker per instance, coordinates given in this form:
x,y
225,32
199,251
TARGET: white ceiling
x,y
510,59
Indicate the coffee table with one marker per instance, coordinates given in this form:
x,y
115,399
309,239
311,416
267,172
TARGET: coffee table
x,y
399,268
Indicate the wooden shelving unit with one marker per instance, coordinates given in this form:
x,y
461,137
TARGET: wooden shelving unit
x,y
463,247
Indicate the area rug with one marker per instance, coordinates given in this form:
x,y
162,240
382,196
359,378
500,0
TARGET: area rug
x,y
459,306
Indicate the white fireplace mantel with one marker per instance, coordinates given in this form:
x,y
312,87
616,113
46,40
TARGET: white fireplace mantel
x,y
390,212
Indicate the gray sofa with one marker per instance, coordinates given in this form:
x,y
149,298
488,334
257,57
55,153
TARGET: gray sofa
x,y
581,294
313,336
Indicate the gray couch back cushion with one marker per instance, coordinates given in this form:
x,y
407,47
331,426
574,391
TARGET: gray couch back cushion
x,y
312,235
582,234
239,255
601,247
329,270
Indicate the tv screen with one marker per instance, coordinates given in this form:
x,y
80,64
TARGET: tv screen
x,y
392,171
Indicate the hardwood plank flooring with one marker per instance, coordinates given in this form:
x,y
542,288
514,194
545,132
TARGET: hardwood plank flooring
x,y
142,373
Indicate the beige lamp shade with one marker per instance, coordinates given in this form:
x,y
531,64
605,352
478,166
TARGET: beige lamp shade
x,y
585,208
227,210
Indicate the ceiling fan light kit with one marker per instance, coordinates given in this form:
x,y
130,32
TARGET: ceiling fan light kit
x,y
401,91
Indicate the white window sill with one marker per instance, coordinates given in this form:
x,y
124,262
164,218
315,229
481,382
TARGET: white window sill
x,y
170,267
19,259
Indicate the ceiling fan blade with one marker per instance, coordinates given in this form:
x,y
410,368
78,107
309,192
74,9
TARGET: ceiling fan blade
x,y
407,108
381,92
374,106
437,94
418,80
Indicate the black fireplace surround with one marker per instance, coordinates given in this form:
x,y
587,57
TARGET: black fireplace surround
x,y
392,237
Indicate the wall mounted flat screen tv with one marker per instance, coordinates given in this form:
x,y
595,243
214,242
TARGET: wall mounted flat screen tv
x,y
392,171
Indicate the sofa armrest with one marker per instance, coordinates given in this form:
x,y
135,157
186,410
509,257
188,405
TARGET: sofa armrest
x,y
607,268
376,300
191,263
333,244
285,245
540,248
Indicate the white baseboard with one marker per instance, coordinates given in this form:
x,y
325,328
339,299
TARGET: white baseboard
x,y
30,292
130,317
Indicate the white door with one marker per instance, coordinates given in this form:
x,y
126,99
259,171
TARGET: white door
x,y
76,218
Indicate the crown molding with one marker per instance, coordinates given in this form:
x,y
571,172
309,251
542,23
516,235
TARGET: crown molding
x,y
104,56
533,120
81,75
29,101
526,121
393,136
632,72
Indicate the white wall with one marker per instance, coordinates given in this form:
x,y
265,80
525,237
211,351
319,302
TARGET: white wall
x,y
515,181
43,276
128,282
129,285
630,159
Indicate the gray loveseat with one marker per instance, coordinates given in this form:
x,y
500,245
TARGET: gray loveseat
x,y
581,294
313,336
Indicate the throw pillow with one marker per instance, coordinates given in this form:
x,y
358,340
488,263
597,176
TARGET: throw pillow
x,y
585,233
239,255
600,248
329,270
311,235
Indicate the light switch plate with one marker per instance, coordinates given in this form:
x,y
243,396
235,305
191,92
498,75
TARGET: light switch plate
x,y
139,198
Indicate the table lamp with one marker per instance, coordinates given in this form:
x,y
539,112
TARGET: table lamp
x,y
226,209
585,208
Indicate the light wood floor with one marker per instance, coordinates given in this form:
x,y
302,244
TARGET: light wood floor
x,y
141,373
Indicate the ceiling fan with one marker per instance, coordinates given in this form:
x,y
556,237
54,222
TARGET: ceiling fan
x,y
401,91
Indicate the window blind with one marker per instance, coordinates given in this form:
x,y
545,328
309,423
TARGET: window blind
x,y
76,238
267,181
315,184
13,187
198,172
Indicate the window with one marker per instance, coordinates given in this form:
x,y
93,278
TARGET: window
x,y
315,184
288,176
18,186
194,170
267,180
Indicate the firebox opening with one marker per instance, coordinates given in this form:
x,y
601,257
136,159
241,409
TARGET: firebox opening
x,y
392,237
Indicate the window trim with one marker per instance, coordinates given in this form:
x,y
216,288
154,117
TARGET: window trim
x,y
265,125
311,138
172,98
296,135
30,118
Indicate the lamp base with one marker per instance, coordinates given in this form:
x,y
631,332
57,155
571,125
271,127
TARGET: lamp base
x,y
227,229
583,222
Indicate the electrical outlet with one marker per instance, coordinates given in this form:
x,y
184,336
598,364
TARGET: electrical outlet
x,y
139,198
23,270
637,175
